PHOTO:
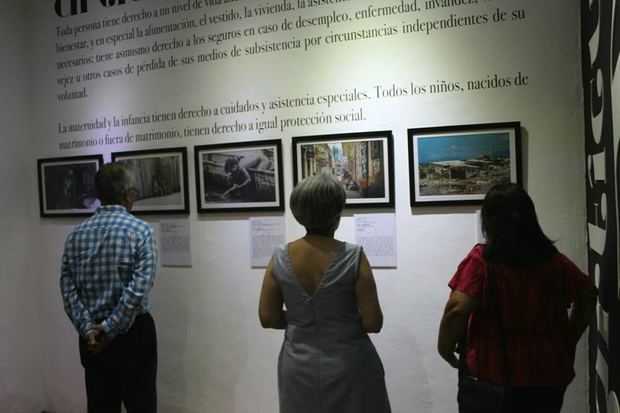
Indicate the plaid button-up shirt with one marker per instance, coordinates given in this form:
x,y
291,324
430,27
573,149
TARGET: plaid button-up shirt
x,y
108,269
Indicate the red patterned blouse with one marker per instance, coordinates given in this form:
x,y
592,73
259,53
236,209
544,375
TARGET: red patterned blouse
x,y
534,303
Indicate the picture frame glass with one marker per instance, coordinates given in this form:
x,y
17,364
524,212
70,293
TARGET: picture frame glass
x,y
245,176
67,186
160,180
361,164
462,165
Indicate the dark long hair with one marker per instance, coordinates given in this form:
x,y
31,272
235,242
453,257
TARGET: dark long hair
x,y
509,221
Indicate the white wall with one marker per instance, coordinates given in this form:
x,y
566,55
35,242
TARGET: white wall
x,y
213,354
20,338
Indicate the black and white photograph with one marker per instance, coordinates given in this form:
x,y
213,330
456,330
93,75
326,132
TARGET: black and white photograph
x,y
459,164
362,162
160,180
67,185
244,176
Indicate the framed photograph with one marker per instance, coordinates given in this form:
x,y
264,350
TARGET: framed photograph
x,y
67,185
245,176
459,164
362,162
160,180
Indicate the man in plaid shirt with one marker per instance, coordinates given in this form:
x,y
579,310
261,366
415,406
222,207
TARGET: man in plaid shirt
x,y
108,269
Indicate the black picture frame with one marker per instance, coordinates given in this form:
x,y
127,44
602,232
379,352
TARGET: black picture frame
x,y
457,165
362,161
160,180
223,187
67,185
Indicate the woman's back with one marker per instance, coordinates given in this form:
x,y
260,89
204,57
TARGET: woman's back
x,y
318,288
327,362
535,286
310,258
534,301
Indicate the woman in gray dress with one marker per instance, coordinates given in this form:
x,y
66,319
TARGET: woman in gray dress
x,y
327,363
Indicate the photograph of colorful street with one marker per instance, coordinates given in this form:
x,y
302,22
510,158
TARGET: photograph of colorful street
x,y
358,164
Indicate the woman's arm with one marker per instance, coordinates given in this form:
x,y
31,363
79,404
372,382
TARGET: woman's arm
x,y
270,310
367,298
453,324
582,312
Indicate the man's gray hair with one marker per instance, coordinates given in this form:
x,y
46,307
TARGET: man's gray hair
x,y
317,201
111,181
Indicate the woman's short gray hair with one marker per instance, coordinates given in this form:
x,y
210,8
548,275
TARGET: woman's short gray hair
x,y
111,181
317,201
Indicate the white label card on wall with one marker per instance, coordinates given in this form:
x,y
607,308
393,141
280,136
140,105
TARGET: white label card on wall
x,y
376,233
266,233
480,238
175,243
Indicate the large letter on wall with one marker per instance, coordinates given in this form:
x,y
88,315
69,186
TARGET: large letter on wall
x,y
60,5
600,36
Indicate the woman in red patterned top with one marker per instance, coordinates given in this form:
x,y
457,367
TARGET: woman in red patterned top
x,y
536,286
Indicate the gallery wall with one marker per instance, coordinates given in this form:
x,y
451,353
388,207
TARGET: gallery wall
x,y
418,67
20,345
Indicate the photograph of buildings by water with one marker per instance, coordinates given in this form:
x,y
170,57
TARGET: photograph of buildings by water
x,y
458,164
239,176
362,162
160,180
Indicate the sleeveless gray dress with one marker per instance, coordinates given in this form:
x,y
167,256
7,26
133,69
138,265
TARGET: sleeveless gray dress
x,y
327,363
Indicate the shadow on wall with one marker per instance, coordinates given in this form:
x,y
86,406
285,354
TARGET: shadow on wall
x,y
172,334
201,356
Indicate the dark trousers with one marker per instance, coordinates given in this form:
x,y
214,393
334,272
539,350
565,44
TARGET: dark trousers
x,y
125,372
531,399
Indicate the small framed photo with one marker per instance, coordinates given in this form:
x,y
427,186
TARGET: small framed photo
x,y
67,185
362,162
459,164
245,176
160,180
